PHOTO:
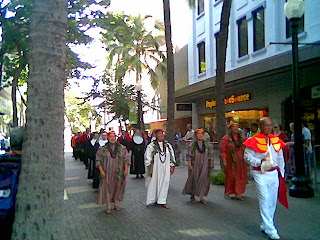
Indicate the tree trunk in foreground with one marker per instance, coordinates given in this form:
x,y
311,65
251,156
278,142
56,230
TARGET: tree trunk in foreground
x,y
222,44
39,207
170,73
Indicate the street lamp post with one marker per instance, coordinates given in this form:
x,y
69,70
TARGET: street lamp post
x,y
294,9
139,100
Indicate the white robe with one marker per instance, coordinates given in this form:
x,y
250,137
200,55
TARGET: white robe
x,y
159,184
267,185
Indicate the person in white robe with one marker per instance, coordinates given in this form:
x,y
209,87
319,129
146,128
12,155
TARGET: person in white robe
x,y
264,153
160,163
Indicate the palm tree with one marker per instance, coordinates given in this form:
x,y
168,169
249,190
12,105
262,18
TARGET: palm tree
x,y
170,73
134,48
39,207
222,41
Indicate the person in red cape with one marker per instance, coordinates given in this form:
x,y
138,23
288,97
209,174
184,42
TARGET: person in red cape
x,y
264,153
235,168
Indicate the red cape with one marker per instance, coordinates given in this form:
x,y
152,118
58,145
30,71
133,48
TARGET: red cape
x,y
259,143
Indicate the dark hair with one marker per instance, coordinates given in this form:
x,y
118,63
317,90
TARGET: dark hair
x,y
253,124
304,123
17,138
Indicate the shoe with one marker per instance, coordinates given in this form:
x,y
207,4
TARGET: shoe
x,y
262,228
274,236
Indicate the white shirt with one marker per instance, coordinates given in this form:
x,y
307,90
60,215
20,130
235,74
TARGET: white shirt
x,y
189,134
254,158
307,136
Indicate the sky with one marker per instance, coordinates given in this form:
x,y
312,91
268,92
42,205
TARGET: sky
x,y
96,54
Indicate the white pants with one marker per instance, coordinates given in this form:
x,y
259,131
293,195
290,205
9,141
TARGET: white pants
x,y
267,187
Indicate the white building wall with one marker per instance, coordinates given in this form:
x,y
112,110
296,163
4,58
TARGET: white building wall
x,y
206,25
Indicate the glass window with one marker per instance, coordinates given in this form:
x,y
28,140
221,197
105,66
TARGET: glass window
x,y
289,29
243,37
202,57
258,29
200,6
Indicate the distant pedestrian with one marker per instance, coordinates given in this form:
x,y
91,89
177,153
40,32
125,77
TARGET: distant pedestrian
x,y
189,134
278,131
160,163
92,149
73,144
264,153
235,168
137,146
125,139
254,130
206,134
308,148
290,167
185,141
200,163
112,160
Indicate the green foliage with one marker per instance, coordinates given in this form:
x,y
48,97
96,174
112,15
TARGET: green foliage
x,y
79,112
132,47
217,178
115,95
15,25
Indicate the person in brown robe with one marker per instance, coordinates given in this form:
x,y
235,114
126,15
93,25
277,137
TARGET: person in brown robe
x,y
200,163
112,160
235,168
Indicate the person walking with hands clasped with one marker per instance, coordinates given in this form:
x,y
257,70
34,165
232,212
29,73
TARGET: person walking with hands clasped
x,y
235,168
200,163
112,160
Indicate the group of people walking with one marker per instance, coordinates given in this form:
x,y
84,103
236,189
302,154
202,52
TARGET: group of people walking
x,y
156,159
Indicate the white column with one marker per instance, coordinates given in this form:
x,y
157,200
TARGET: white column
x,y
195,116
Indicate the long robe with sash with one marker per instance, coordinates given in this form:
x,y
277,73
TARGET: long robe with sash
x,y
271,182
159,172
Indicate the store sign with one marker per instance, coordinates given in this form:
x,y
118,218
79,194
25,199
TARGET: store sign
x,y
230,100
184,107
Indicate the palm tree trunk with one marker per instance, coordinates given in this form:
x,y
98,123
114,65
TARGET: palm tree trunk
x,y
14,102
170,73
222,43
39,207
14,92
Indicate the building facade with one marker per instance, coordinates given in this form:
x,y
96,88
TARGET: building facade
x,y
258,73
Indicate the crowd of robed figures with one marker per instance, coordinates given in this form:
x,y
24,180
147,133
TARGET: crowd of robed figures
x,y
110,163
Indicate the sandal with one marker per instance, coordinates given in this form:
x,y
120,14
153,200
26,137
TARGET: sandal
x,y
226,196
108,211
192,199
117,208
239,198
165,206
203,201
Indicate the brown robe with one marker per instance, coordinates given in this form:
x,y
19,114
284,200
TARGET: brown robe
x,y
235,176
198,182
111,187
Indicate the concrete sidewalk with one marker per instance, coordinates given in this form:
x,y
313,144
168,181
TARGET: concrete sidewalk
x,y
220,219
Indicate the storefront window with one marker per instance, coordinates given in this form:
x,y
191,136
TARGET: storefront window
x,y
243,117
